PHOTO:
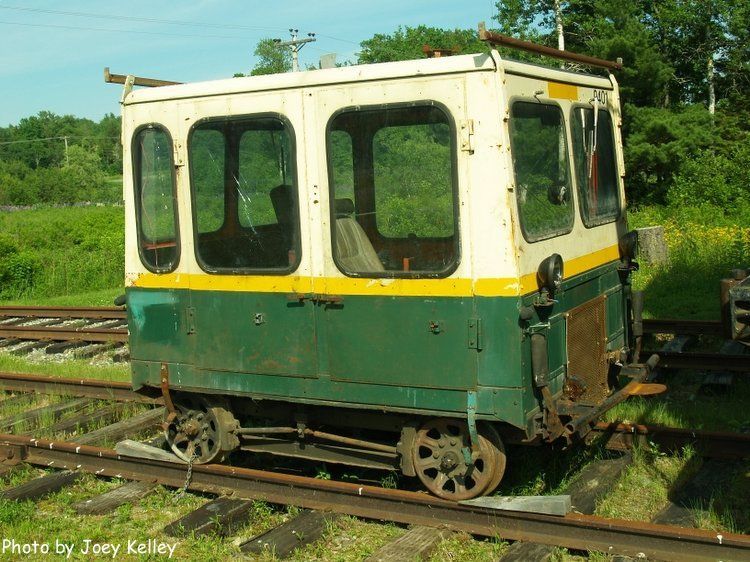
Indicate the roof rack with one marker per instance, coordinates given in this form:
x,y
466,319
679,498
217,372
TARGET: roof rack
x,y
137,80
504,41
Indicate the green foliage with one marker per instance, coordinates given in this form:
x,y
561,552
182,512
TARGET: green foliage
x,y
48,252
272,59
715,179
660,141
406,43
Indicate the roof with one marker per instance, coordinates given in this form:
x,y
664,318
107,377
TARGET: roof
x,y
361,73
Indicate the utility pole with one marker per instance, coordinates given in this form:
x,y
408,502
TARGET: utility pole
x,y
67,160
295,45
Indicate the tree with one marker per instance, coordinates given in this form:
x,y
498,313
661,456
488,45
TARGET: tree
x,y
272,59
406,43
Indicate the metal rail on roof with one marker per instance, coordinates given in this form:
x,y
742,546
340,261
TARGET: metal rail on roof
x,y
504,41
137,80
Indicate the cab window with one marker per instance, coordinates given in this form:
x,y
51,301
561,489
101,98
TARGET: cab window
x,y
393,191
540,165
156,208
595,165
244,193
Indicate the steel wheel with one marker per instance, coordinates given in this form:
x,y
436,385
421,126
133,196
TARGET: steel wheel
x,y
202,431
439,459
500,459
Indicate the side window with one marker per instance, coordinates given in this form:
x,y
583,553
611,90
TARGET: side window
x,y
156,208
393,192
595,165
244,195
540,163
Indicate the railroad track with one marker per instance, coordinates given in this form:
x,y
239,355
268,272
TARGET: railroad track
x,y
58,329
237,487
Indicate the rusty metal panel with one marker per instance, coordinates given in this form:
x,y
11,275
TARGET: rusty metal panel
x,y
587,359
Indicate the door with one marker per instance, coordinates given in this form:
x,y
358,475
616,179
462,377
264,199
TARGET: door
x,y
250,258
392,308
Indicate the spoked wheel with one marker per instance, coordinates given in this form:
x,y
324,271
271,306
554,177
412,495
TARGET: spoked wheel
x,y
202,430
439,454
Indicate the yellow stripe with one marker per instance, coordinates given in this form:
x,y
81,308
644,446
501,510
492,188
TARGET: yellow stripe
x,y
562,91
574,267
487,287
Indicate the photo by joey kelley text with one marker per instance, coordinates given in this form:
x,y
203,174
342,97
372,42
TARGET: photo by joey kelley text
x,y
87,547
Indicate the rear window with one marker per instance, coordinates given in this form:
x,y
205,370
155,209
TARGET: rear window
x,y
156,208
541,168
595,165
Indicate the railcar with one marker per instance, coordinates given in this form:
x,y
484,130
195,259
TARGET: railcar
x,y
404,265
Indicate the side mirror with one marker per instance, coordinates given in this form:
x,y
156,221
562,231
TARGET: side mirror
x,y
120,301
628,245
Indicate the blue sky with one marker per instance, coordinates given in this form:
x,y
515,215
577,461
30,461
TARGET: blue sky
x,y
54,61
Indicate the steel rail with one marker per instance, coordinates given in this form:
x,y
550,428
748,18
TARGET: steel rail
x,y
702,361
580,532
84,388
713,444
683,327
103,312
54,333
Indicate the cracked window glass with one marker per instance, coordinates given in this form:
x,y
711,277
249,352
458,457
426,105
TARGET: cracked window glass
x,y
155,199
244,195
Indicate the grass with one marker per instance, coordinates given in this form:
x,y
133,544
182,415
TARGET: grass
x,y
685,405
54,252
68,368
643,490
704,245
99,297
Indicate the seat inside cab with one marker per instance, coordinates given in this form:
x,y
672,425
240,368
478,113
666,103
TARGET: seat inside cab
x,y
393,191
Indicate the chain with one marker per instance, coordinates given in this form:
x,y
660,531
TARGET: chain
x,y
188,476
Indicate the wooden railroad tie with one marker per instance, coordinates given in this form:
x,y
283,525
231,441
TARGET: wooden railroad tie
x,y
282,541
221,516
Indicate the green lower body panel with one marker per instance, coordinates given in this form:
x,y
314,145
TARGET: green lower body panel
x,y
328,392
420,355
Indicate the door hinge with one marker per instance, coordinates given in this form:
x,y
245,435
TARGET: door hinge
x,y
177,155
190,318
475,333
467,135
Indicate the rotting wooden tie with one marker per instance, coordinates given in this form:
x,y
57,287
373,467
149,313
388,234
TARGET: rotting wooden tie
x,y
41,486
418,543
221,517
109,501
305,528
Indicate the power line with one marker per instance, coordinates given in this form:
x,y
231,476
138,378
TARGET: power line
x,y
139,19
57,26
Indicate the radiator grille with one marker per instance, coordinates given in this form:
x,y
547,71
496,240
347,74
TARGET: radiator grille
x,y
587,361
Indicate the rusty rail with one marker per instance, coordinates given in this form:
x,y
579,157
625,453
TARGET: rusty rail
x,y
580,532
683,327
713,444
702,361
54,333
84,388
95,312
